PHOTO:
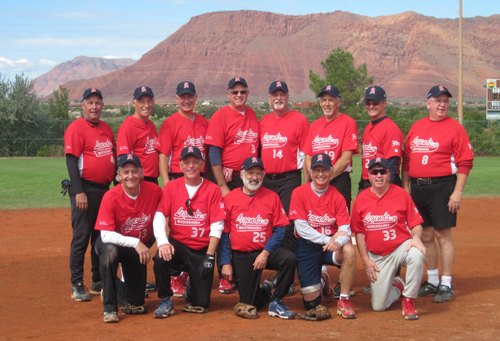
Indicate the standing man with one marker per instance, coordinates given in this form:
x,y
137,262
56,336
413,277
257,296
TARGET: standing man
x,y
382,218
126,223
233,136
437,160
255,226
90,157
137,134
195,213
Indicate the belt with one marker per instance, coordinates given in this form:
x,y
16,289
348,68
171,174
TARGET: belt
x,y
95,184
432,181
246,252
283,175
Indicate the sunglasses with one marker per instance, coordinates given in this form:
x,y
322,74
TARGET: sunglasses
x,y
188,204
378,171
235,93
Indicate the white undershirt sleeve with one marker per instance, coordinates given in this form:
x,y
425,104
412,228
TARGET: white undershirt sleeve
x,y
344,239
307,232
113,237
159,229
216,229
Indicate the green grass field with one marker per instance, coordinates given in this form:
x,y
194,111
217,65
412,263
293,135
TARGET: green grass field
x,y
36,182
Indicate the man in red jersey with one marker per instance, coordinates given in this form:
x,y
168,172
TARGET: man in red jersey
x,y
126,223
90,157
388,232
233,136
437,159
196,215
324,237
137,134
255,227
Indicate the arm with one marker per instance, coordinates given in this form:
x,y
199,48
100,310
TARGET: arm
x,y
306,169
342,163
393,167
370,265
406,182
416,239
165,249
307,232
120,240
219,177
225,256
339,239
76,182
163,166
456,196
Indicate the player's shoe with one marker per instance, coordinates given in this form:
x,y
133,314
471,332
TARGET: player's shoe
x,y
291,290
78,292
345,308
95,288
225,287
444,294
179,284
409,311
110,317
267,286
150,286
134,309
336,291
165,308
278,309
327,291
399,284
427,289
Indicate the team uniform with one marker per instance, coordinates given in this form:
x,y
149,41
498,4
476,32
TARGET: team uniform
x,y
131,218
137,137
434,152
178,132
386,223
93,145
189,235
333,138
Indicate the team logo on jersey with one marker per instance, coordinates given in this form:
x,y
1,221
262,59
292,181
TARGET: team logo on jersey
x,y
103,223
379,222
103,148
321,143
273,141
396,143
182,218
369,150
150,146
221,204
195,142
249,224
423,146
316,221
135,224
354,137
245,136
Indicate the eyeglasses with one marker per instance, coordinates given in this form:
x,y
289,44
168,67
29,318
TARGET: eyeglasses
x,y
188,204
375,104
235,93
438,102
378,171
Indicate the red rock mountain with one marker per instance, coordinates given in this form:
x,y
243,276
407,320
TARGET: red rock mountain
x,y
77,69
407,53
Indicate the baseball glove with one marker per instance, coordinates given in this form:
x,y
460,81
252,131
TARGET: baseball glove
x,y
192,309
317,314
246,310
134,309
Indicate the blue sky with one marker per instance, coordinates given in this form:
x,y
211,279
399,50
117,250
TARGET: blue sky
x,y
37,35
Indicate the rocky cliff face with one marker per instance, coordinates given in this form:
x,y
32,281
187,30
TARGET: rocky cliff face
x,y
407,53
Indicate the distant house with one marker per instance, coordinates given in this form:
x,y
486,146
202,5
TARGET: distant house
x,y
206,103
304,104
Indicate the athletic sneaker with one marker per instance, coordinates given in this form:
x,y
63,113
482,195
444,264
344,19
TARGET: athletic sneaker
x,y
345,308
179,284
110,317
444,294
409,311
336,291
134,309
277,308
165,308
327,291
225,287
78,292
95,288
427,289
150,286
399,284
291,290
267,286
367,290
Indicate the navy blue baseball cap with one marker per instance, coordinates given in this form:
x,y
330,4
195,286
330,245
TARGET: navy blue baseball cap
x,y
376,93
278,85
321,159
237,80
143,90
437,90
378,161
251,162
185,88
191,150
91,91
331,90
123,159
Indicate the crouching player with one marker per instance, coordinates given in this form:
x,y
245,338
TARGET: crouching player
x,y
255,226
126,222
322,227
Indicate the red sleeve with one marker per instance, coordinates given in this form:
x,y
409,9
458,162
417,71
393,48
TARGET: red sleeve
x,y
125,138
164,144
217,208
351,141
297,208
228,203
279,217
342,213
464,155
356,219
304,134
106,216
216,130
165,203
73,139
308,141
407,153
413,217
393,142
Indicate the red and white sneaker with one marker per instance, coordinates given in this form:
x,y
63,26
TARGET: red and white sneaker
x,y
409,311
327,291
399,284
345,308
179,284
226,287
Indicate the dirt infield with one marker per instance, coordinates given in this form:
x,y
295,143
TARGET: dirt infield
x,y
35,293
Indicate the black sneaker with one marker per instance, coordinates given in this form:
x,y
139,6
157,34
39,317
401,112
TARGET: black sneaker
x,y
267,286
336,291
291,290
444,294
427,289
78,292
95,288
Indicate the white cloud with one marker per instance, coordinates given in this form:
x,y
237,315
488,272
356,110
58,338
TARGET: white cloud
x,y
47,62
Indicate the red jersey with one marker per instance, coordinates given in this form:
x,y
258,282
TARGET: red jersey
x,y
132,218
250,220
236,134
207,207
178,132
386,221
281,140
324,214
437,148
139,138
383,139
333,138
93,146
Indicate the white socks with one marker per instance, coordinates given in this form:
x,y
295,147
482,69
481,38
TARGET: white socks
x,y
433,277
446,280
